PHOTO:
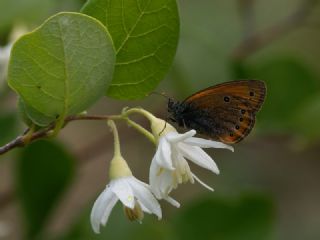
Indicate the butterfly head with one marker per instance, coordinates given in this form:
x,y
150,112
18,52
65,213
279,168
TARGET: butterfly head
x,y
171,105
176,110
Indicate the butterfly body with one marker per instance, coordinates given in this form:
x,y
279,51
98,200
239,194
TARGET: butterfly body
x,y
191,117
224,112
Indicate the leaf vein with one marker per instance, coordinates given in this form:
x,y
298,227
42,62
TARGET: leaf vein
x,y
150,31
132,29
43,69
66,85
122,18
135,83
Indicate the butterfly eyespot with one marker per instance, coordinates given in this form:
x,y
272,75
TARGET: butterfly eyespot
x,y
243,111
240,119
231,134
226,99
251,94
237,127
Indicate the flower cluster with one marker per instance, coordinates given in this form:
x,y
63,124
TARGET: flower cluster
x,y
169,168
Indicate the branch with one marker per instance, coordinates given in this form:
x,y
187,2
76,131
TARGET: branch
x,y
29,136
257,41
25,138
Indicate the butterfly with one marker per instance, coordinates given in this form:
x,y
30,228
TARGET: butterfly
x,y
225,112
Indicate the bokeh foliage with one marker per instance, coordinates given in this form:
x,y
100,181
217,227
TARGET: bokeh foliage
x,y
44,170
210,32
246,217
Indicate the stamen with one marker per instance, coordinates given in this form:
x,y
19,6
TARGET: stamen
x,y
134,214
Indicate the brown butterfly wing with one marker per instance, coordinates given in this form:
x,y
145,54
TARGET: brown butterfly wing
x,y
231,107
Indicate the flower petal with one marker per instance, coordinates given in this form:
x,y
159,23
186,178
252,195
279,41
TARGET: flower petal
x,y
198,156
108,209
161,180
143,183
204,143
163,154
144,196
202,183
183,171
175,137
172,201
166,182
101,208
154,178
122,189
144,208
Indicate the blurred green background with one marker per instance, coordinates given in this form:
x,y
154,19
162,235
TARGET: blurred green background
x,y
268,188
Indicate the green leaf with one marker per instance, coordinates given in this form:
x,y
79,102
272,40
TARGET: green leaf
x,y
32,116
247,218
64,66
44,170
145,35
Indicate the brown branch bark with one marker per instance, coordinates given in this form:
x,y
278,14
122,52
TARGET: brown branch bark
x,y
24,139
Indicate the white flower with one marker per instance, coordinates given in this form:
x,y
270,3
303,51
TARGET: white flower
x,y
135,195
169,166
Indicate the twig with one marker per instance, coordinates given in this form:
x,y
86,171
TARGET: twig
x,y
21,140
28,136
257,41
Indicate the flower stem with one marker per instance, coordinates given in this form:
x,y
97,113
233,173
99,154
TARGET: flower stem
x,y
141,111
142,130
126,112
114,130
